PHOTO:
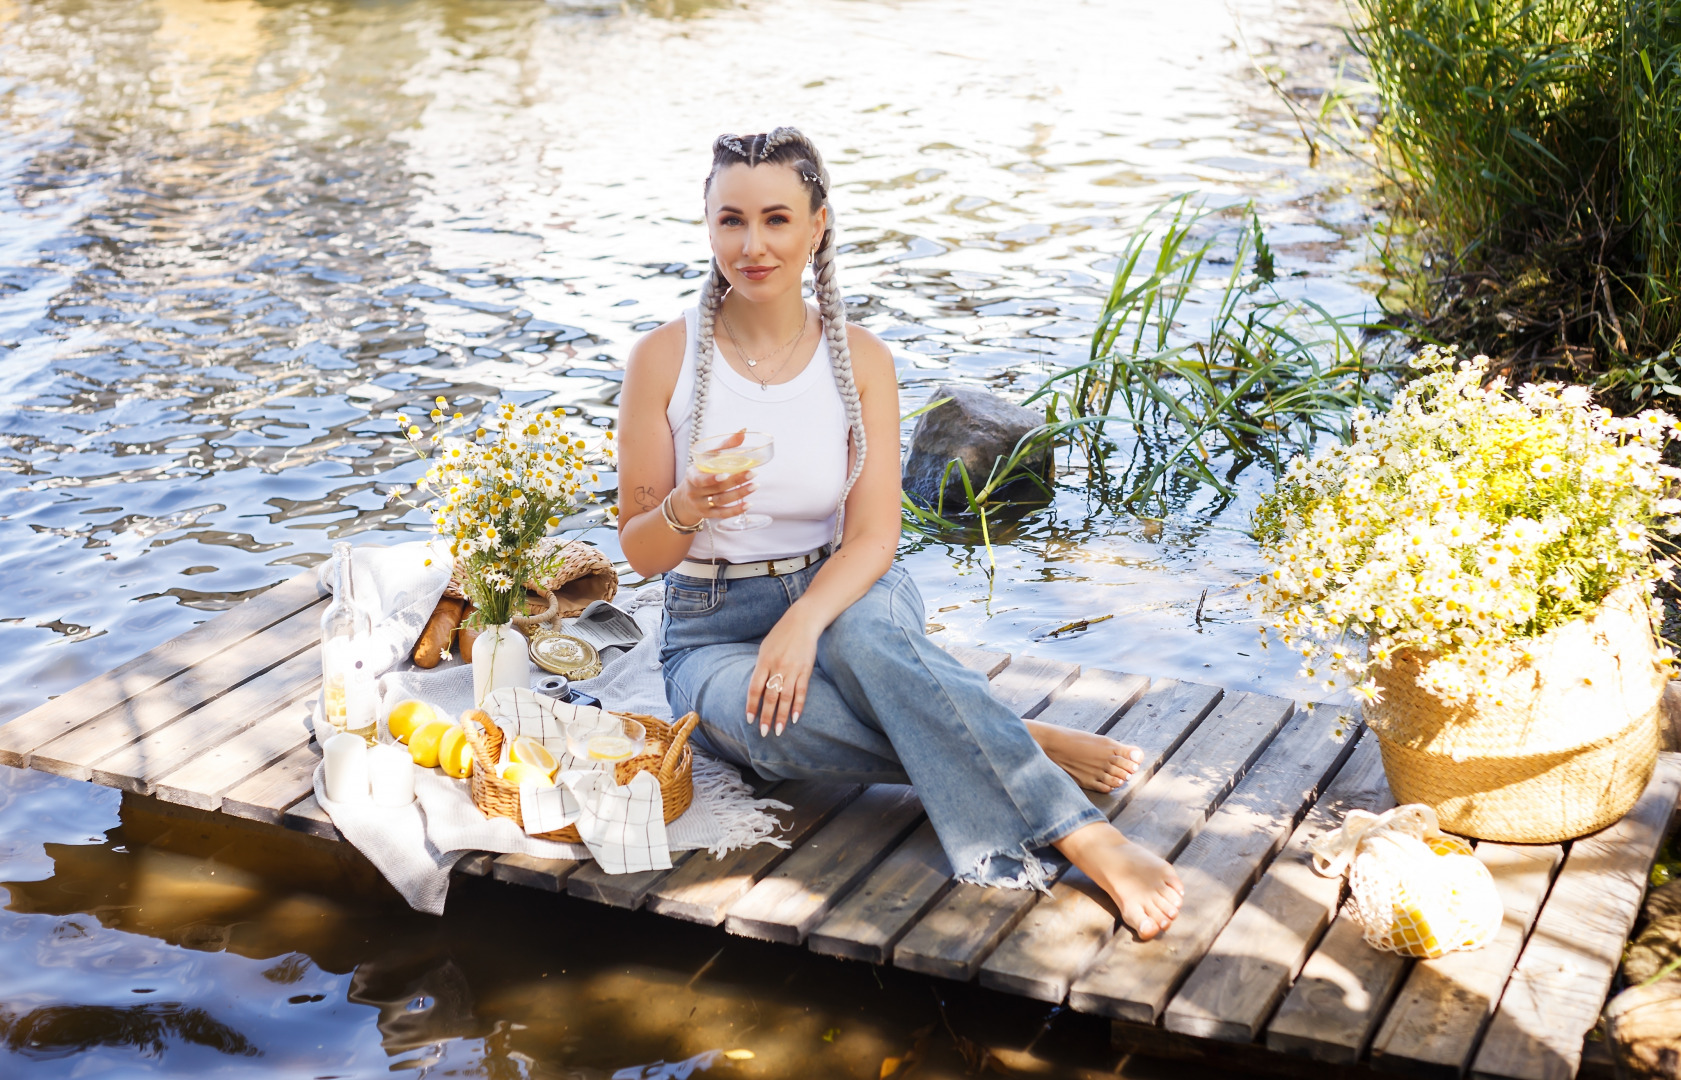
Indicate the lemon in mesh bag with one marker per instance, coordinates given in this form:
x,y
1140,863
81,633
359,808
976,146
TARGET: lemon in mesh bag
x,y
1414,889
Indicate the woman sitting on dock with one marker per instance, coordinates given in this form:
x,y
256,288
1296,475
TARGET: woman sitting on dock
x,y
801,644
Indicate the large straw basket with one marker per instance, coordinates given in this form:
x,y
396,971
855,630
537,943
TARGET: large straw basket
x,y
668,756
1567,753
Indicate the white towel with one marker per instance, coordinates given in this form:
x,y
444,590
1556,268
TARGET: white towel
x,y
415,847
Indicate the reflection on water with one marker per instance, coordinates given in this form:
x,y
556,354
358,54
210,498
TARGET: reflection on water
x,y
236,237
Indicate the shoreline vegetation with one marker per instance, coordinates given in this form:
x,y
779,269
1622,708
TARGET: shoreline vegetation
x,y
1534,151
1531,165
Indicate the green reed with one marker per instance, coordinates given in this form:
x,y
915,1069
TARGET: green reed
x,y
1258,378
1539,143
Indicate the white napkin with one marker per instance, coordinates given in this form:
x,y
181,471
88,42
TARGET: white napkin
x,y
622,825
398,587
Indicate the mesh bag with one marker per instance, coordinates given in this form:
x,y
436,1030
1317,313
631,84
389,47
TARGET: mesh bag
x,y
1413,889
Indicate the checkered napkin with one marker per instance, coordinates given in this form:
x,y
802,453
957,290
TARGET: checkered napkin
x,y
623,825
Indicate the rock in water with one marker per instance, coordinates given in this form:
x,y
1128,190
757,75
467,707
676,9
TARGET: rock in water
x,y
976,428
1665,900
1643,1026
1654,949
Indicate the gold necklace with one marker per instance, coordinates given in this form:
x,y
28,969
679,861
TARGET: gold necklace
x,y
752,364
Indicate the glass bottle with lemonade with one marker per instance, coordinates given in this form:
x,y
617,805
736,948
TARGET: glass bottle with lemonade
x,y
349,697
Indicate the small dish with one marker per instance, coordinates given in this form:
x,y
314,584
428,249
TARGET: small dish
x,y
614,739
563,654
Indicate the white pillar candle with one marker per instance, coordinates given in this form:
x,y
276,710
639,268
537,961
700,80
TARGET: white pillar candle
x,y
391,775
347,768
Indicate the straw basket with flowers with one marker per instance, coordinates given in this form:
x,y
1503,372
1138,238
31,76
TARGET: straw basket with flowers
x,y
1479,567
497,492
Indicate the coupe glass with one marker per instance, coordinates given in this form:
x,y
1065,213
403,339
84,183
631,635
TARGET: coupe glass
x,y
736,452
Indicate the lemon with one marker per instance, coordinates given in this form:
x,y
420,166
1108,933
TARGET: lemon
x,y
406,716
455,754
609,747
519,772
528,751
423,742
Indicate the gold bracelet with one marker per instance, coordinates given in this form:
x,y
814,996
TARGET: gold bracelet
x,y
671,517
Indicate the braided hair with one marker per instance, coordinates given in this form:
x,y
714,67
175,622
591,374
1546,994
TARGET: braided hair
x,y
786,146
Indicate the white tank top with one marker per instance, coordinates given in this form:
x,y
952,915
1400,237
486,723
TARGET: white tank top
x,y
800,486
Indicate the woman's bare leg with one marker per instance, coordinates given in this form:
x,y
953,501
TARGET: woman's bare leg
x,y
1096,762
1144,887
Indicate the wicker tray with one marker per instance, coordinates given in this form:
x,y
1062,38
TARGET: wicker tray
x,y
666,754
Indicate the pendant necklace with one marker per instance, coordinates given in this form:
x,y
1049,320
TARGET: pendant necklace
x,y
752,364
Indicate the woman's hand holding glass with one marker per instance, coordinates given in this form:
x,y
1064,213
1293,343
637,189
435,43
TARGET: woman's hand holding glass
x,y
714,497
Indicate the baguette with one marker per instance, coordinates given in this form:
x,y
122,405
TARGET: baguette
x,y
440,631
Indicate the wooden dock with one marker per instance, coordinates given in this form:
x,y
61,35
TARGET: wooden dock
x,y
1262,971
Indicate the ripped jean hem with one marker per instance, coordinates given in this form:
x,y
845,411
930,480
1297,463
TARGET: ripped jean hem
x,y
1005,869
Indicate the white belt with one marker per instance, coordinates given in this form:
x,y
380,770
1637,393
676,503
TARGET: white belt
x,y
762,568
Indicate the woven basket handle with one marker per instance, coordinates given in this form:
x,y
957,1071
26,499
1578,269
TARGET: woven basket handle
x,y
679,739
523,621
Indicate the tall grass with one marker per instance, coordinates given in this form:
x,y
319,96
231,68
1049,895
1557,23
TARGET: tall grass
x,y
1256,379
1540,143
1208,374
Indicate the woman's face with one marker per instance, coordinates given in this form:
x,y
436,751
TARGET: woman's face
x,y
762,228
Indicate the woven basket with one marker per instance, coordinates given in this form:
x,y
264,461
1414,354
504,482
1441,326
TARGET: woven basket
x,y
584,577
667,755
1567,753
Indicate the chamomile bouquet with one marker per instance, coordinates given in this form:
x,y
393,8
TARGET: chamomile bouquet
x,y
498,489
1461,522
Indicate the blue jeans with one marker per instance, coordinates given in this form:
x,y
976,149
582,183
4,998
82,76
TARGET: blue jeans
x,y
884,705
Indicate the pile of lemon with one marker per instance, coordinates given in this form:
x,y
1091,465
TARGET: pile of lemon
x,y
433,742
530,762
436,743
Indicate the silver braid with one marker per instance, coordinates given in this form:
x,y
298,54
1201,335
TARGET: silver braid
x,y
832,307
711,299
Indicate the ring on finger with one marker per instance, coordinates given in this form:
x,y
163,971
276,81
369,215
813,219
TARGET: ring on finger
x,y
712,502
774,683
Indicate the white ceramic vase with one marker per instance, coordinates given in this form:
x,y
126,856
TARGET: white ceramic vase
x,y
500,658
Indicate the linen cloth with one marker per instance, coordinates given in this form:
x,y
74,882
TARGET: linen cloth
x,y
623,826
416,846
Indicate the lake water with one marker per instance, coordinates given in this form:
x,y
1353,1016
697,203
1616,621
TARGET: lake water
x,y
236,237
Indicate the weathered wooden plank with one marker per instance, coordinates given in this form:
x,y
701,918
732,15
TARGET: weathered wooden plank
x,y
985,661
1433,1027
965,926
868,923
478,864
1095,700
1256,957
1157,723
1133,980
534,872
1556,993
265,796
202,781
790,900
704,888
226,633
307,816
628,891
137,766
73,753
1334,1008
1030,683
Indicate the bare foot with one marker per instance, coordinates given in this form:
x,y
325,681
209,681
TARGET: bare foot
x,y
1143,886
1096,762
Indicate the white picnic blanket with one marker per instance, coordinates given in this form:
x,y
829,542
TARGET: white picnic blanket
x,y
415,847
